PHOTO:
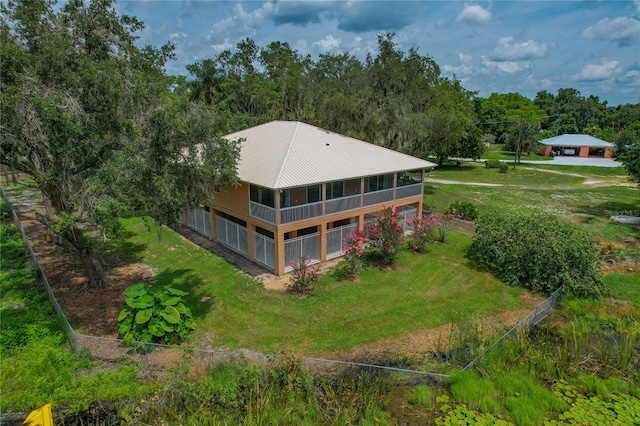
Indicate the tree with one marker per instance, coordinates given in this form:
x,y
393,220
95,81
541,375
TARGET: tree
x,y
76,101
628,151
538,251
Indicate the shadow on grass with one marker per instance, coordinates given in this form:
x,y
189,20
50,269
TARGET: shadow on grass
x,y
122,250
608,209
187,281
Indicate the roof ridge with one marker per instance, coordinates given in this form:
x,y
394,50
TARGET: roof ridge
x,y
286,157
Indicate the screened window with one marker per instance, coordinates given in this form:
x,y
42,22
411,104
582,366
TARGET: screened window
x,y
260,195
410,177
378,183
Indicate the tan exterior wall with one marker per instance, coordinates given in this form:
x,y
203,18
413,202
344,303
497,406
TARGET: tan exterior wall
x,y
234,200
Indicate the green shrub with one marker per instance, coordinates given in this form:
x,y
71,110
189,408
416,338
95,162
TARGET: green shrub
x,y
467,210
420,395
538,251
503,168
492,164
154,314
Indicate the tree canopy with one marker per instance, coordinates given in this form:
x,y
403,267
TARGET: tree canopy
x,y
82,110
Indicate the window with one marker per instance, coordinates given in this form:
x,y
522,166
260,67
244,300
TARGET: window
x,y
298,196
409,178
378,183
335,190
260,195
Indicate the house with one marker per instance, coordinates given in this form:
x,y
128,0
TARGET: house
x,y
303,189
576,145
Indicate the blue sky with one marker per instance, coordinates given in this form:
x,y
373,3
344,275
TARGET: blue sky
x,y
495,46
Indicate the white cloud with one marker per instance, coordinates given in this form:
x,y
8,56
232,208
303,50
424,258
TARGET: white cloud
x,y
243,24
465,59
460,70
473,14
507,50
225,45
597,72
637,3
506,66
624,30
328,43
177,36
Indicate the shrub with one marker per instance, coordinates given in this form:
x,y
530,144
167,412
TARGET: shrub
x,y
538,251
353,247
445,224
492,164
303,277
154,314
385,236
422,227
503,168
466,210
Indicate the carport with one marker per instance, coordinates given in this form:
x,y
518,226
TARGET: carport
x,y
576,146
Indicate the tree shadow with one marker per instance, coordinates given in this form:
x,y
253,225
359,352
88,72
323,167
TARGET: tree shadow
x,y
122,250
187,281
608,209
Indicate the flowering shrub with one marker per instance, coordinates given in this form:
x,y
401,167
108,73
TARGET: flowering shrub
x,y
385,236
422,227
353,247
303,277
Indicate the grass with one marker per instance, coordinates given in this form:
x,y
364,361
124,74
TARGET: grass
x,y
624,287
420,293
497,152
524,190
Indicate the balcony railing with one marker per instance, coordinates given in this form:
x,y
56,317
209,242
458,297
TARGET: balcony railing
x,y
378,197
409,190
336,205
262,212
343,204
296,213
305,246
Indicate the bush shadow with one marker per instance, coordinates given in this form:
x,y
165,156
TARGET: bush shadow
x,y
185,280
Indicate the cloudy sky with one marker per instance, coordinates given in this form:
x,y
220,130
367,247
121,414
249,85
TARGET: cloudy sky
x,y
495,46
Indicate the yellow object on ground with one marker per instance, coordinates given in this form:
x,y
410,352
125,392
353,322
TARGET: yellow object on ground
x,y
40,417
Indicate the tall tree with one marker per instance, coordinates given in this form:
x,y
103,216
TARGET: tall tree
x,y
73,100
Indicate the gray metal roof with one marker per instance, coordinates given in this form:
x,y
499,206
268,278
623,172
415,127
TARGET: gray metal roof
x,y
286,154
576,140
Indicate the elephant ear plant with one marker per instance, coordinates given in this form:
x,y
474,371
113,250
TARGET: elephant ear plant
x,y
155,314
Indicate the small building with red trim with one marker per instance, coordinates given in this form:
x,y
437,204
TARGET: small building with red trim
x,y
576,146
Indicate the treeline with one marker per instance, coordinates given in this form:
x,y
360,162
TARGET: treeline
x,y
393,98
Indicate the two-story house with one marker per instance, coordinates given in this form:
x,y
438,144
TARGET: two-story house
x,y
303,189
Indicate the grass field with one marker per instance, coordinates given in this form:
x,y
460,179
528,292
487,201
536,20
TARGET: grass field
x,y
424,291
527,188
497,152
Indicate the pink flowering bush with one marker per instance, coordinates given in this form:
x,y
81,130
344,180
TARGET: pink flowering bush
x,y
353,247
423,227
385,236
303,277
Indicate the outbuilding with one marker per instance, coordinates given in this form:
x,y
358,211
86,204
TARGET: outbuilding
x,y
577,146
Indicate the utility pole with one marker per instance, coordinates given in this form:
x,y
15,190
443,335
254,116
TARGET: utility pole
x,y
516,159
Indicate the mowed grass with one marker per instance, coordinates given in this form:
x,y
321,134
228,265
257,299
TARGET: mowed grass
x,y
525,189
234,311
496,152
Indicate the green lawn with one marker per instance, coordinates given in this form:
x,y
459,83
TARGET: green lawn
x,y
528,188
424,291
497,152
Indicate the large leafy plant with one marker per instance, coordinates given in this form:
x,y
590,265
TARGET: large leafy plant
x,y
155,314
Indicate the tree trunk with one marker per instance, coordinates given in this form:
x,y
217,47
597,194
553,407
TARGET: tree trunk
x,y
89,257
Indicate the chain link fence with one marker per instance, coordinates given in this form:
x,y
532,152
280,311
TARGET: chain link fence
x,y
156,357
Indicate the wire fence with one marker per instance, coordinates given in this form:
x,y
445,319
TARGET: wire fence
x,y
156,357
42,277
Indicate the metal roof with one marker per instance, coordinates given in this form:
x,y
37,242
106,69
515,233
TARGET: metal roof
x,y
286,154
576,140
